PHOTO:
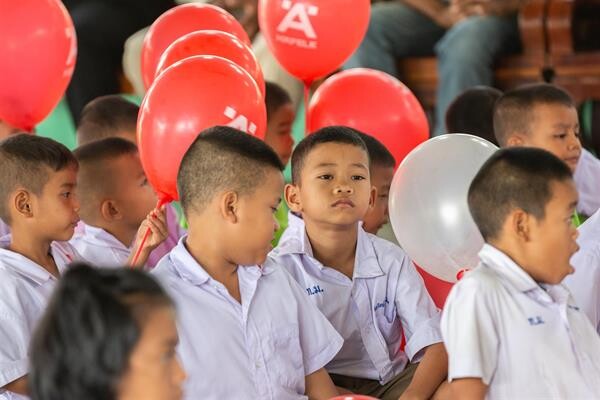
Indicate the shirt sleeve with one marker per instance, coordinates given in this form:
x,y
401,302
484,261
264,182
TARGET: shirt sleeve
x,y
418,314
319,340
469,332
14,343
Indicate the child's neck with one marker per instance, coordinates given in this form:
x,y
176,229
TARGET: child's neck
x,y
35,249
334,247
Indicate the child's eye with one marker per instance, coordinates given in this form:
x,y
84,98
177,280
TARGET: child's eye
x,y
384,196
66,195
144,182
358,177
560,136
325,177
274,209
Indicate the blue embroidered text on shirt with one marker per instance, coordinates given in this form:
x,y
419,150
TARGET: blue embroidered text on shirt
x,y
535,320
314,290
381,305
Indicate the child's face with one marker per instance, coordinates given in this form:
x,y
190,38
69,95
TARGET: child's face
x,y
555,128
279,132
335,187
250,238
154,371
56,209
552,240
376,217
134,196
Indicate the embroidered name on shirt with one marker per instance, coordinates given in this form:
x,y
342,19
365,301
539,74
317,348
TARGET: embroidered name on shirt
x,y
314,290
381,305
535,320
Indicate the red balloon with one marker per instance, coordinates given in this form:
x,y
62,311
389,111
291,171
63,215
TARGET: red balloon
x,y
192,95
372,102
312,38
38,49
180,21
213,43
437,288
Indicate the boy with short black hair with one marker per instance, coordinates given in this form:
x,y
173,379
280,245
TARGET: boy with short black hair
x,y
366,286
117,205
107,116
472,112
510,328
381,169
245,329
544,116
37,181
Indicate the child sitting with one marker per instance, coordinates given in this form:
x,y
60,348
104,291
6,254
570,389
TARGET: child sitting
x,y
366,286
107,334
117,205
280,118
545,116
512,331
37,181
246,330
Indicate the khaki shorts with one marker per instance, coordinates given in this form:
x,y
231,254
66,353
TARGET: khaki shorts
x,y
390,391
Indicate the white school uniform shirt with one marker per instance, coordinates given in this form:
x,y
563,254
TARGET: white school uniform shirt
x,y
25,288
260,349
584,283
587,182
4,229
98,247
385,296
524,341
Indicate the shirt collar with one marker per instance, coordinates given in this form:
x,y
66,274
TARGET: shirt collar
x,y
28,268
100,236
190,270
366,263
507,268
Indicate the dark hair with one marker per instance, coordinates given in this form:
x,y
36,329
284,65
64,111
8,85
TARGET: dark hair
x,y
222,158
25,161
472,112
81,347
378,154
106,116
95,171
275,97
517,177
513,110
330,134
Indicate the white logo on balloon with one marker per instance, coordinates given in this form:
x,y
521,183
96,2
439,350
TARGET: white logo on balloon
x,y
239,121
298,19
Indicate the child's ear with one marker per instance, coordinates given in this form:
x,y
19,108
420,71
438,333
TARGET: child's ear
x,y
292,197
373,197
22,202
515,140
110,211
229,206
521,224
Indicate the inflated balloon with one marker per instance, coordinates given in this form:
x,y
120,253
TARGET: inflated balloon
x,y
312,38
437,288
38,50
192,95
428,203
372,102
213,43
180,21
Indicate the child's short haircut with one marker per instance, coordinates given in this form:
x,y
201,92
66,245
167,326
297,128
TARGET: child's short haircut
x,y
513,110
330,134
518,177
93,322
472,112
25,162
222,158
379,155
106,116
94,176
275,97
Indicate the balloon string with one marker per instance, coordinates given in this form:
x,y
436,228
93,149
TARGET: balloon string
x,y
161,202
307,85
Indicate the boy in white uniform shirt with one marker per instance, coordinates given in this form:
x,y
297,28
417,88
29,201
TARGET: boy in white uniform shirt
x,y
366,287
37,179
117,205
245,329
512,331
584,283
545,116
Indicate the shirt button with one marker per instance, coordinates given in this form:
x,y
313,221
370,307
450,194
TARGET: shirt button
x,y
258,365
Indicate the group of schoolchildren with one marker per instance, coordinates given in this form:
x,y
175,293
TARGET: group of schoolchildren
x,y
332,309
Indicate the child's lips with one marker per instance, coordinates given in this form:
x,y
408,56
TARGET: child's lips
x,y
343,203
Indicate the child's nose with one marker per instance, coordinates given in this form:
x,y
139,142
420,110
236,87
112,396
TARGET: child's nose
x,y
344,189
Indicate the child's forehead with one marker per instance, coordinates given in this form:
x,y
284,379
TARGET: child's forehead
x,y
336,153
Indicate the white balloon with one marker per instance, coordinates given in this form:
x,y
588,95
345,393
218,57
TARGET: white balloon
x,y
428,203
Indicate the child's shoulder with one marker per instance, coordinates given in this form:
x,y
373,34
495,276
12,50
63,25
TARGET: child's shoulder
x,y
388,254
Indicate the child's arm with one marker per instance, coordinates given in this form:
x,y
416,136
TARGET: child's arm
x,y
430,373
157,223
319,385
468,389
18,386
